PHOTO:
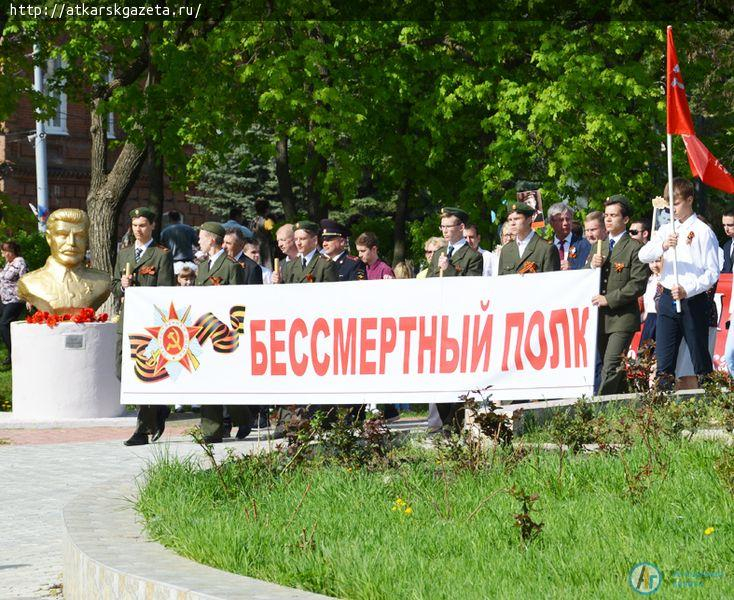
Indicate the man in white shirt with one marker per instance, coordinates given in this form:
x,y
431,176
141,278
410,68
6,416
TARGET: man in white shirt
x,y
696,250
473,238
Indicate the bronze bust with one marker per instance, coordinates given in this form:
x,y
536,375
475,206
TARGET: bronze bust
x,y
64,284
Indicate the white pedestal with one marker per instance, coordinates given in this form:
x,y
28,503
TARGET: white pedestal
x,y
65,372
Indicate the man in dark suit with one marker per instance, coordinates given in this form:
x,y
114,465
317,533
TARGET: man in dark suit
x,y
220,269
623,281
572,248
334,242
149,266
528,253
727,220
234,244
456,259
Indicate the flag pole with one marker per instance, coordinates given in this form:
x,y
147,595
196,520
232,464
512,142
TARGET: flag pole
x,y
672,213
670,198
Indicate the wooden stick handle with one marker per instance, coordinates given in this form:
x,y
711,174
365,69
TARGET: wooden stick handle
x,y
276,265
127,269
598,247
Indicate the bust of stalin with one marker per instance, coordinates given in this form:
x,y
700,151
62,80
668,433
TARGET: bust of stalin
x,y
64,284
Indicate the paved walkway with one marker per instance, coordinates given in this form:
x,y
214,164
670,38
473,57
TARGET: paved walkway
x,y
43,468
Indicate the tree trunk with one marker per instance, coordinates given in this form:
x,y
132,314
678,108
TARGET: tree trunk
x,y
283,174
315,165
401,218
155,178
108,191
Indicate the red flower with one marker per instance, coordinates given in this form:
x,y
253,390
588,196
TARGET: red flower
x,y
309,278
85,315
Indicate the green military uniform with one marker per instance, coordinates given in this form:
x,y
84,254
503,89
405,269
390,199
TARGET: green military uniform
x,y
153,269
623,281
319,268
223,271
464,261
539,257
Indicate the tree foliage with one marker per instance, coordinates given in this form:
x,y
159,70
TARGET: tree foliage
x,y
383,122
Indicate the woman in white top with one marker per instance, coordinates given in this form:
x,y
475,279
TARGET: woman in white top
x,y
12,305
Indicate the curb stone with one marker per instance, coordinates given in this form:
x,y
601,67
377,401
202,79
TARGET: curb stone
x,y
107,555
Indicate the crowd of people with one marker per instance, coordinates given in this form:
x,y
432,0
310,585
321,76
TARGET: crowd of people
x,y
663,280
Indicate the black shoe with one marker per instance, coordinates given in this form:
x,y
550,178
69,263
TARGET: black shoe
x,y
227,428
212,439
243,431
160,425
137,439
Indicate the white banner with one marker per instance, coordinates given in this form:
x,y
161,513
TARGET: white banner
x,y
389,341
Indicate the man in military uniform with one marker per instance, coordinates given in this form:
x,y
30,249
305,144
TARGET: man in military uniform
x,y
623,280
309,266
528,253
456,259
334,242
234,244
148,265
220,269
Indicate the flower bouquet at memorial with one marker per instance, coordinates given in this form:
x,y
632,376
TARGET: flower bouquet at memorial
x,y
86,315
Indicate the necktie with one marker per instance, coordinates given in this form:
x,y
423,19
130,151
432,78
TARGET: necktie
x,y
561,252
138,254
611,245
303,262
449,252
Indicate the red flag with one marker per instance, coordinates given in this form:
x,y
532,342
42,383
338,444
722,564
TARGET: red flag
x,y
706,167
679,115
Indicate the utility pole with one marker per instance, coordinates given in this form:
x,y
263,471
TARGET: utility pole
x,y
40,145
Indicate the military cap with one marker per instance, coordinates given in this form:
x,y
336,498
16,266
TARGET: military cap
x,y
618,199
330,228
309,226
451,211
143,211
212,227
519,206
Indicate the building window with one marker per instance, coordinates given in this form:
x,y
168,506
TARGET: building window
x,y
57,124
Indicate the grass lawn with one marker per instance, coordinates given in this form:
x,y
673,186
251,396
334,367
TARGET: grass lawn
x,y
6,383
432,524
